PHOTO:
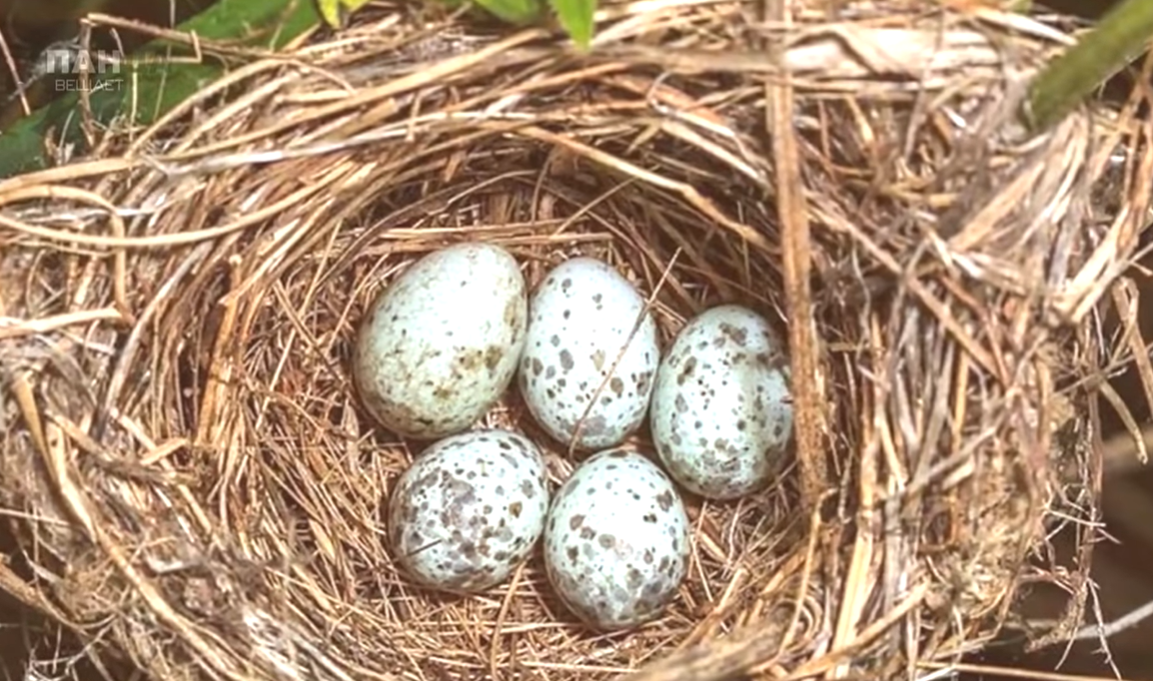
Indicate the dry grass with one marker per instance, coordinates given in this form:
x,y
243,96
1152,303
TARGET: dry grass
x,y
197,486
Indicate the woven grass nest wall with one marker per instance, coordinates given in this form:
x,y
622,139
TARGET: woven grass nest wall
x,y
196,487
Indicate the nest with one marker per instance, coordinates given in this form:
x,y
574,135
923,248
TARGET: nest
x,y
195,487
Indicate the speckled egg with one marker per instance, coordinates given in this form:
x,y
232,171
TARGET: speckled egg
x,y
469,510
721,411
616,543
440,345
582,319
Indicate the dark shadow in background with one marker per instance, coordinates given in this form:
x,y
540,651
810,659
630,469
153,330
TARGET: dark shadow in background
x,y
16,622
13,645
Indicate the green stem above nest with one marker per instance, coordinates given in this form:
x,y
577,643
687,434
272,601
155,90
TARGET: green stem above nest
x,y
1117,39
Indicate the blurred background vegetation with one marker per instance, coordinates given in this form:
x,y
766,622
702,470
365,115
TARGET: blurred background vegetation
x,y
30,26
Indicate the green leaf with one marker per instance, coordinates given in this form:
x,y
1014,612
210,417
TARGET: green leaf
x,y
149,89
576,17
335,12
513,11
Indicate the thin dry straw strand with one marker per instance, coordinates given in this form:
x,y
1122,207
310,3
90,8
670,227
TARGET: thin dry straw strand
x,y
645,311
797,255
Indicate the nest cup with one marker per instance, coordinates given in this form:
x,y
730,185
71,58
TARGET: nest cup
x,y
196,488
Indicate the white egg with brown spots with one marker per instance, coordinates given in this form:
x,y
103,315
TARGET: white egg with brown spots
x,y
469,510
616,544
721,412
440,345
590,355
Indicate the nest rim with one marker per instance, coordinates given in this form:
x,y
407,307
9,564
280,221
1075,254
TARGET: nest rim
x,y
225,279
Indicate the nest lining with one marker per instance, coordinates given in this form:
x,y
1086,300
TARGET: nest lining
x,y
200,489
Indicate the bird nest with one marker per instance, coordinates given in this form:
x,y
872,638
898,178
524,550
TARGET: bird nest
x,y
195,487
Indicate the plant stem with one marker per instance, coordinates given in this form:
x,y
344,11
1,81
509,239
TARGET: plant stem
x,y
1066,81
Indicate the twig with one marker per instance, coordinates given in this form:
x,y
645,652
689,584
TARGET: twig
x,y
1013,672
1107,630
796,250
17,81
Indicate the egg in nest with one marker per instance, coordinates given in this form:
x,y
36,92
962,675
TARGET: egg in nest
x,y
590,355
469,510
439,346
721,412
616,543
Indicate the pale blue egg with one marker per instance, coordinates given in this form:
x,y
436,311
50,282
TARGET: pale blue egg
x,y
469,510
440,344
616,543
721,413
590,355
